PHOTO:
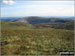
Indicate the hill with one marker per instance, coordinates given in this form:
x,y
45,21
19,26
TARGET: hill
x,y
57,25
10,25
20,38
38,20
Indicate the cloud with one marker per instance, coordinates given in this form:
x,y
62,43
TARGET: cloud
x,y
49,10
38,9
5,1
10,2
41,10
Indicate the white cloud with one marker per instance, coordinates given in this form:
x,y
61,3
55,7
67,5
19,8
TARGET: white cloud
x,y
47,10
5,1
41,9
10,2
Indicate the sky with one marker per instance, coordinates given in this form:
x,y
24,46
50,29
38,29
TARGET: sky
x,y
10,8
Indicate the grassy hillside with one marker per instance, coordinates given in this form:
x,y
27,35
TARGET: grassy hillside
x,y
15,25
59,25
21,38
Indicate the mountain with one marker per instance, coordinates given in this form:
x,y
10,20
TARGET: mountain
x,y
72,18
36,35
24,39
43,22
38,20
9,18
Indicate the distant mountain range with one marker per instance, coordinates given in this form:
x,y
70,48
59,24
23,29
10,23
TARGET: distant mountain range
x,y
41,22
9,18
38,20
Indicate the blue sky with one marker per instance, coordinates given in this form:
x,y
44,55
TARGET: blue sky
x,y
36,8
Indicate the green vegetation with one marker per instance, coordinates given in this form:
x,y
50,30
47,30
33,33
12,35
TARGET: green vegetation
x,y
58,25
19,38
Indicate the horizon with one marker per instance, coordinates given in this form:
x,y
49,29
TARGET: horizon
x,y
37,8
67,17
40,16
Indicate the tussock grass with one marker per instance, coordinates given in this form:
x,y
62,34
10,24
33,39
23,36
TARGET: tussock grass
x,y
29,41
